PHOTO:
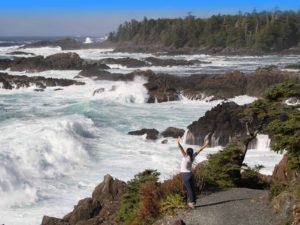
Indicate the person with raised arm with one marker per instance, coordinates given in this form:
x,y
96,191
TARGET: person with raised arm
x,y
186,170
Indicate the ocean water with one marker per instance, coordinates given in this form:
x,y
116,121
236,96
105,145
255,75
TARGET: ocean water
x,y
56,146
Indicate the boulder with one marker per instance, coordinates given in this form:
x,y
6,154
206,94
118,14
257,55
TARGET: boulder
x,y
220,125
151,134
53,221
173,132
283,173
110,189
85,209
99,209
283,205
64,61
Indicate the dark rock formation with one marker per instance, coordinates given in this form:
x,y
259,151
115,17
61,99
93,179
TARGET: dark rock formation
x,y
151,134
96,210
19,53
165,87
60,61
64,61
98,74
3,82
173,132
12,81
293,66
220,125
85,209
53,221
128,62
171,62
65,44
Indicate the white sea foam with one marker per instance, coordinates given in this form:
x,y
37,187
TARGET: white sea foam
x,y
44,149
263,155
52,155
125,92
240,100
243,99
88,40
44,51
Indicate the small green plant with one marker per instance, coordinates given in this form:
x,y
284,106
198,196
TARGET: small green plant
x,y
222,169
170,203
276,189
129,208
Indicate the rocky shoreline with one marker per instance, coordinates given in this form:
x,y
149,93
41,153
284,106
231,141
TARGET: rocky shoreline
x,y
72,44
166,87
60,61
222,51
40,83
107,196
161,87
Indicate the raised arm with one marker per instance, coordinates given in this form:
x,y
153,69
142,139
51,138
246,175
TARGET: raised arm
x,y
206,142
180,147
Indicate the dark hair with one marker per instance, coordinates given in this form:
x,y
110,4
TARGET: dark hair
x,y
190,153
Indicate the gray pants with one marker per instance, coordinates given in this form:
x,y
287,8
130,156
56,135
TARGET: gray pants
x,y
189,183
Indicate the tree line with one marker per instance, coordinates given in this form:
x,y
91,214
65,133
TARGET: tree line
x,y
268,31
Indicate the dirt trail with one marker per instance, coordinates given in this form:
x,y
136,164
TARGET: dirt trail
x,y
236,206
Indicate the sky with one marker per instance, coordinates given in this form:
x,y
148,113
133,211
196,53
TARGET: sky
x,y
99,17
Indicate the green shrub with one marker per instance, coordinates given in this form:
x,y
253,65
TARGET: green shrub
x,y
129,208
285,89
170,203
149,203
276,189
222,169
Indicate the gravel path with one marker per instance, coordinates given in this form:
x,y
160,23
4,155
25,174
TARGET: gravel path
x,y
236,206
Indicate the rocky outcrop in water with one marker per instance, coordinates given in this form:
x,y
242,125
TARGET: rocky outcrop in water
x,y
12,81
151,134
20,53
98,74
220,125
99,209
60,61
65,44
165,87
172,62
128,62
172,132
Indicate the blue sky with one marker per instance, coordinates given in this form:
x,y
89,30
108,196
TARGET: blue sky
x,y
98,17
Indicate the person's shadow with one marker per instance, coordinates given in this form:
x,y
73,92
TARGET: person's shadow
x,y
222,202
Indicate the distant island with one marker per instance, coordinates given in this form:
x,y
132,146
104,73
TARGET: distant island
x,y
255,32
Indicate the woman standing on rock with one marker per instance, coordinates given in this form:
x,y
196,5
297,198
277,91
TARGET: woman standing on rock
x,y
186,171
